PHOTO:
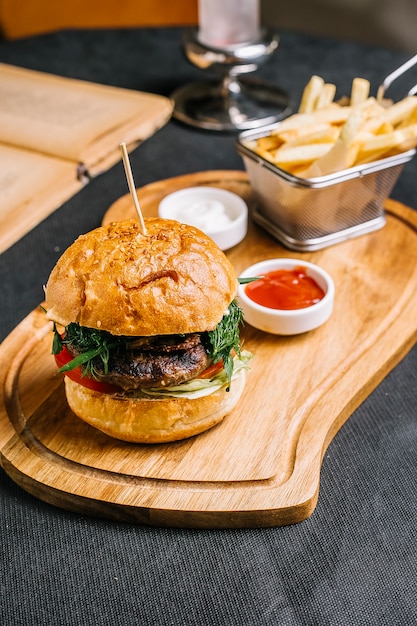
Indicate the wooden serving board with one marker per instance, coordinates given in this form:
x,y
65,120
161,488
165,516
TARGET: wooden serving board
x,y
261,465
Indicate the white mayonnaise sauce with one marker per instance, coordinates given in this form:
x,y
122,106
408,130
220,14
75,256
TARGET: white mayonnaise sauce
x,y
207,215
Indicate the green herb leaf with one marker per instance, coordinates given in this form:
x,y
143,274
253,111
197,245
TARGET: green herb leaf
x,y
56,342
249,279
225,338
81,359
89,343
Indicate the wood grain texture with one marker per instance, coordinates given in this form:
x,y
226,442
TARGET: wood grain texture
x,y
260,466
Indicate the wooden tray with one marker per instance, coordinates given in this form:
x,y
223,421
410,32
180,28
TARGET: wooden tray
x,y
261,465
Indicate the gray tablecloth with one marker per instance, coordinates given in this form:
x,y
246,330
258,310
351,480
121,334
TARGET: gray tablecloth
x,y
353,562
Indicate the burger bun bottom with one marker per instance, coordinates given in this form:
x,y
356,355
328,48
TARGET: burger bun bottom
x,y
152,420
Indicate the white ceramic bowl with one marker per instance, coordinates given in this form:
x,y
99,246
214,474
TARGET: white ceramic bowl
x,y
287,322
221,214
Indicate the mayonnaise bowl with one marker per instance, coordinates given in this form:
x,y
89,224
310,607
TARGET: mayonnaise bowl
x,y
291,321
219,213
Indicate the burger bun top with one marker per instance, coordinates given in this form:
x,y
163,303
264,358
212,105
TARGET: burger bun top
x,y
172,280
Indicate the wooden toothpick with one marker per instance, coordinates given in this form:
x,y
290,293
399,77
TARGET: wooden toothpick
x,y
132,187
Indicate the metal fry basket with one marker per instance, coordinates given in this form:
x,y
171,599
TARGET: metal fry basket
x,y
308,214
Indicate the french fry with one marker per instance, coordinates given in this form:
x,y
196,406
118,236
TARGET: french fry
x,y
374,126
343,152
270,142
378,145
308,133
344,101
333,114
327,136
370,107
410,120
294,122
352,126
400,111
316,133
360,91
326,96
310,94
300,155
267,155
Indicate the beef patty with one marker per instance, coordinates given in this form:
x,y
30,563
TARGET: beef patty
x,y
160,361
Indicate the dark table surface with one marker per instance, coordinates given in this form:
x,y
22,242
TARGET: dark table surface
x,y
354,561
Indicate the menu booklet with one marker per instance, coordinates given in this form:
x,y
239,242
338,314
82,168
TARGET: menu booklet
x,y
56,133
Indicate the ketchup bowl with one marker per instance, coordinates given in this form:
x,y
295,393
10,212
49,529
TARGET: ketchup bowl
x,y
289,297
220,214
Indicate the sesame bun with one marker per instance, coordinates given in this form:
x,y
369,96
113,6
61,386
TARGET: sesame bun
x,y
149,420
173,280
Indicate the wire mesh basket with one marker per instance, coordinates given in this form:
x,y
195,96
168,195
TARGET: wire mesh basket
x,y
312,213
309,214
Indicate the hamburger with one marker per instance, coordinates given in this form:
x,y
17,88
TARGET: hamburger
x,y
146,330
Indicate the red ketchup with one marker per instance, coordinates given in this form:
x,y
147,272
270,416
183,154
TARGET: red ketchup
x,y
285,289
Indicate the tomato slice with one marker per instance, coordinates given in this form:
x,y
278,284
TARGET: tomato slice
x,y
212,370
76,375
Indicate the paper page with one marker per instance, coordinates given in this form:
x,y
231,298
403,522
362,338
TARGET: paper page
x,y
32,186
65,117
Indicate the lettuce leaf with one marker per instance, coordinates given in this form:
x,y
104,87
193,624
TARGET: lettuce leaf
x,y
200,387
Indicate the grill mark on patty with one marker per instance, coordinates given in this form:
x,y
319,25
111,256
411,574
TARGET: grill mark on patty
x,y
160,361
165,343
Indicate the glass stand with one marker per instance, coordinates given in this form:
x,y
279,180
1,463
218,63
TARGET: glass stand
x,y
230,102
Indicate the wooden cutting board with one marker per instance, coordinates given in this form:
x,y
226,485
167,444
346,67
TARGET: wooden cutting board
x,y
261,465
